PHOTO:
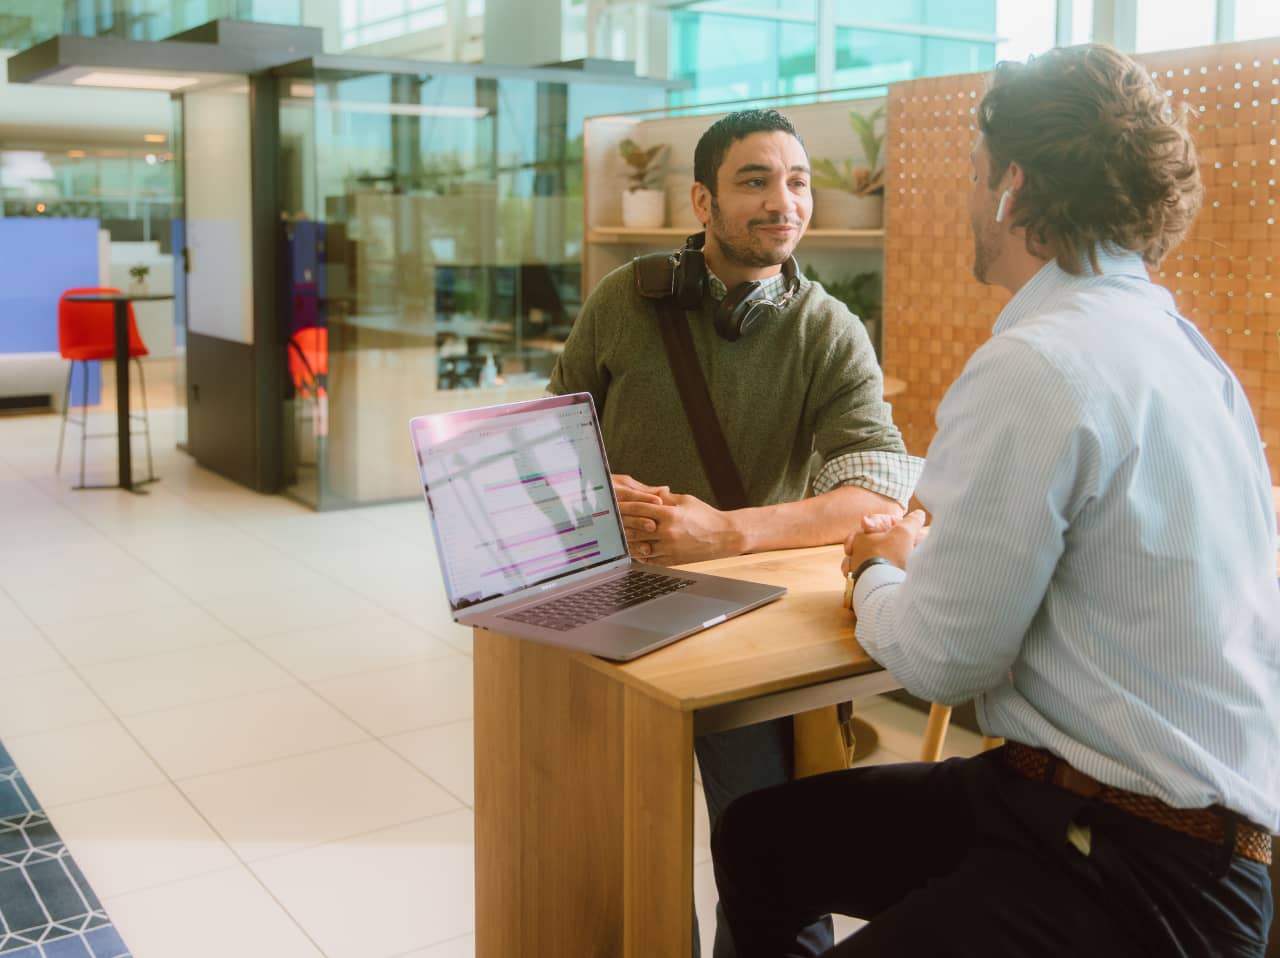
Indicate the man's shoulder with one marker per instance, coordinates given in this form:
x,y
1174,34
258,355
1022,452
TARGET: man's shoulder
x,y
618,288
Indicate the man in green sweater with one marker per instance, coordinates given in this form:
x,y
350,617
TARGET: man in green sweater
x,y
805,381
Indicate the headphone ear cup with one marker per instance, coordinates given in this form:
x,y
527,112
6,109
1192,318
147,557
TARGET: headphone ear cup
x,y
733,316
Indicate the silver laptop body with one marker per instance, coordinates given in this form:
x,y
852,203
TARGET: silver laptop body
x,y
529,534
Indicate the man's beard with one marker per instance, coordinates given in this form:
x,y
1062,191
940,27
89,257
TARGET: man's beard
x,y
740,253
985,250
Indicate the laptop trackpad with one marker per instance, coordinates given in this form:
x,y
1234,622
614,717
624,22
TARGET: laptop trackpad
x,y
674,613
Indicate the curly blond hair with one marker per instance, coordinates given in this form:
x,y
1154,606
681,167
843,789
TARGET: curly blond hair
x,y
1106,157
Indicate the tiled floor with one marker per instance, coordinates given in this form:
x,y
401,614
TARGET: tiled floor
x,y
251,723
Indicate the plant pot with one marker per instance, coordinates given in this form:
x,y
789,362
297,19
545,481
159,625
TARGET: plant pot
x,y
842,210
644,209
138,287
680,204
868,213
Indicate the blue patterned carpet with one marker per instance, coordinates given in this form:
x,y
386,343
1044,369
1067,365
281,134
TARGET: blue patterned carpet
x,y
47,909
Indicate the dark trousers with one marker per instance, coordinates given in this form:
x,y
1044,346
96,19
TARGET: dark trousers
x,y
967,858
734,763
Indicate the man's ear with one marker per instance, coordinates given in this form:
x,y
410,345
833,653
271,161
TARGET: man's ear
x,y
1013,178
701,198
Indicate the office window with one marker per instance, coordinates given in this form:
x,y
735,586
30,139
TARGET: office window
x,y
1175,26
968,15
739,57
1256,20
1026,27
872,58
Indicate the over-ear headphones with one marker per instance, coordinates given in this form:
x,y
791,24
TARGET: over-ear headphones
x,y
1003,208
743,307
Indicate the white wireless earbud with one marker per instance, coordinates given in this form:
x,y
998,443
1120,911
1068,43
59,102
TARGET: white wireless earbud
x,y
1004,205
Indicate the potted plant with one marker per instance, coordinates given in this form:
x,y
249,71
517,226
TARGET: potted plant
x,y
851,196
643,201
862,294
139,274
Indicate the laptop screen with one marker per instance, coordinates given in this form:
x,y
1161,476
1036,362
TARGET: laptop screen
x,y
519,494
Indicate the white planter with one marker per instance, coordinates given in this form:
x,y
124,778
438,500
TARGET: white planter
x,y
868,213
842,210
138,287
680,204
644,209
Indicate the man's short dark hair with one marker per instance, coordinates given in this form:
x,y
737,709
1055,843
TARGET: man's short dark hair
x,y
728,130
1107,157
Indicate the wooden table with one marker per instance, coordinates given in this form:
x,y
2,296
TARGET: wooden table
x,y
124,458
584,768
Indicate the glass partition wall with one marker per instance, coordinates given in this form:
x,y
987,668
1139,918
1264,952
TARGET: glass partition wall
x,y
432,235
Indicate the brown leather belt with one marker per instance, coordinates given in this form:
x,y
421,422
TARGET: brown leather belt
x,y
1207,824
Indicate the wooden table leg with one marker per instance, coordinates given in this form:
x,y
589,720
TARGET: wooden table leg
x,y
584,816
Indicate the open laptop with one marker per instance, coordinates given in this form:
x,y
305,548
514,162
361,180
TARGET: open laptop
x,y
531,541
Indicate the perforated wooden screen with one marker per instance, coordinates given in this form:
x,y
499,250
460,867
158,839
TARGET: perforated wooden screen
x,y
1225,276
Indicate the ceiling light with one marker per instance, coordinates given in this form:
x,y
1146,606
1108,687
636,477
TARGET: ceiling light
x,y
135,81
154,137
77,154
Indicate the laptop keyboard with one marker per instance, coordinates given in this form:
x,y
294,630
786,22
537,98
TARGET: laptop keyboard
x,y
588,605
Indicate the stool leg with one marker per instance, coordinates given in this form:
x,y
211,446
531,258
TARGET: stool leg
x,y
146,418
934,732
66,407
84,418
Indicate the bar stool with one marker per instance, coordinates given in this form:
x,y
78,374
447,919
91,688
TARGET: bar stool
x,y
86,332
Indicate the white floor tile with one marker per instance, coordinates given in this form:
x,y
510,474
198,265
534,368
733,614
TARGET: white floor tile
x,y
124,588
294,803
379,642
47,700
87,761
445,753
464,947
415,696
221,915
140,839
267,611
167,628
245,730
133,686
385,893
24,651
701,826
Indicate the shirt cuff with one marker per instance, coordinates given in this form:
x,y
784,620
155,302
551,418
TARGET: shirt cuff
x,y
877,577
891,474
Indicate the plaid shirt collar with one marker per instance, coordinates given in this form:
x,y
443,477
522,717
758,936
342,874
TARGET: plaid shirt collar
x,y
773,287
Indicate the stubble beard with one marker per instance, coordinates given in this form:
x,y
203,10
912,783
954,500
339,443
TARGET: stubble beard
x,y
741,253
985,250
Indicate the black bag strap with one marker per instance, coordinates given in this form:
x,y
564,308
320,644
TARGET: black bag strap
x,y
713,450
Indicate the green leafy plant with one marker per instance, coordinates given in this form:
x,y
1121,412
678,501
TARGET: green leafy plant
x,y
139,272
859,180
860,292
643,166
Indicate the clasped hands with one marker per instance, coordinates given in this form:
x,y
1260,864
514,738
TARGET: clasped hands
x,y
886,536
669,528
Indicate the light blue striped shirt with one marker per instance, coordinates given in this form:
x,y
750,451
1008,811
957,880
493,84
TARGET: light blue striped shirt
x,y
1101,569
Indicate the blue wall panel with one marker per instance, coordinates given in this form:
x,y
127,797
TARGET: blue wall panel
x,y
39,258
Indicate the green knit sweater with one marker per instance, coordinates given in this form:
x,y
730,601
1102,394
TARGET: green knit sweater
x,y
804,382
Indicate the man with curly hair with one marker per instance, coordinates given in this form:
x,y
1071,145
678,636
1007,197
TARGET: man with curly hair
x,y
1100,575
